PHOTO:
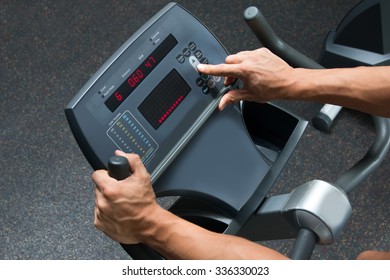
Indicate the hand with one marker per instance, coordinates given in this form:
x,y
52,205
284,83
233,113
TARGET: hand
x,y
266,76
121,207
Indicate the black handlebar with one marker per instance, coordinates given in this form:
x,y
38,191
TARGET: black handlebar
x,y
267,36
304,245
372,159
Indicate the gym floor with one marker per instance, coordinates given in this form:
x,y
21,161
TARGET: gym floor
x,y
49,49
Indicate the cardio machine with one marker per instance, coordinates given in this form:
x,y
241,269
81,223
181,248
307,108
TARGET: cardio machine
x,y
149,99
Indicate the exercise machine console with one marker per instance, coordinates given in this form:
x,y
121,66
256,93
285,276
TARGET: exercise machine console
x,y
149,99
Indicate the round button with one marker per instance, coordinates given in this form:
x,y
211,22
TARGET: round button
x,y
211,83
180,58
204,61
198,54
205,89
192,46
186,52
217,79
205,76
199,82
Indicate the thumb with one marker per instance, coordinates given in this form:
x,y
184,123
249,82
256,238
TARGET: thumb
x,y
135,161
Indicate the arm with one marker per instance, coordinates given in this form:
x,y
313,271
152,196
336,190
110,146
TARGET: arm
x,y
127,211
267,77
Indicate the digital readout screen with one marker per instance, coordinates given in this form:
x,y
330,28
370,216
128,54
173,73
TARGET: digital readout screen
x,y
140,73
164,99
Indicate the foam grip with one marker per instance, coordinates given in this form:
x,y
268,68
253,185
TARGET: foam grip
x,y
118,167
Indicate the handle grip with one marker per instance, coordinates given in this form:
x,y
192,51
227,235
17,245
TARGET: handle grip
x,y
118,167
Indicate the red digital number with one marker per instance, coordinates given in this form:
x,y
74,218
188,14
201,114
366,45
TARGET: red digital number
x,y
135,78
150,61
118,96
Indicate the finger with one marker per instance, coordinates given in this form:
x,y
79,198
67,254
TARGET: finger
x,y
101,179
103,224
99,199
229,80
237,58
233,96
226,70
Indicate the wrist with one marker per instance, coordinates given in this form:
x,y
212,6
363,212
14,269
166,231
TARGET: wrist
x,y
304,84
155,225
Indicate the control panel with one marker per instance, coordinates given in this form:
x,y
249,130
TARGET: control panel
x,y
148,98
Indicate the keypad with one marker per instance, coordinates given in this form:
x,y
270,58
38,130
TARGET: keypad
x,y
194,56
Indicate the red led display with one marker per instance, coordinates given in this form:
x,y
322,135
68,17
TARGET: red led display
x,y
165,98
140,73
170,110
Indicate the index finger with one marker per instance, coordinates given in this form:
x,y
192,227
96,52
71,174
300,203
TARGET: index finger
x,y
226,70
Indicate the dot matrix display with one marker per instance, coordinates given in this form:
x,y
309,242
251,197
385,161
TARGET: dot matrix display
x,y
164,99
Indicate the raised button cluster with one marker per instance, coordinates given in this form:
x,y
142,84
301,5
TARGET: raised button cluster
x,y
195,57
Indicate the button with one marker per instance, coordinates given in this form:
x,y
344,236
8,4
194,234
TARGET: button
x,y
204,61
186,52
180,58
205,76
217,79
194,62
211,83
199,82
205,89
198,54
192,46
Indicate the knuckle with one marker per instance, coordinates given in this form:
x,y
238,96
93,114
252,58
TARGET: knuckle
x,y
101,205
145,177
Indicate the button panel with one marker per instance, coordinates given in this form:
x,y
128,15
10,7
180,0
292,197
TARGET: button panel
x,y
195,57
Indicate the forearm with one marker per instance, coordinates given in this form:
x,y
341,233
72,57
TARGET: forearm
x,y
266,77
175,238
366,89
